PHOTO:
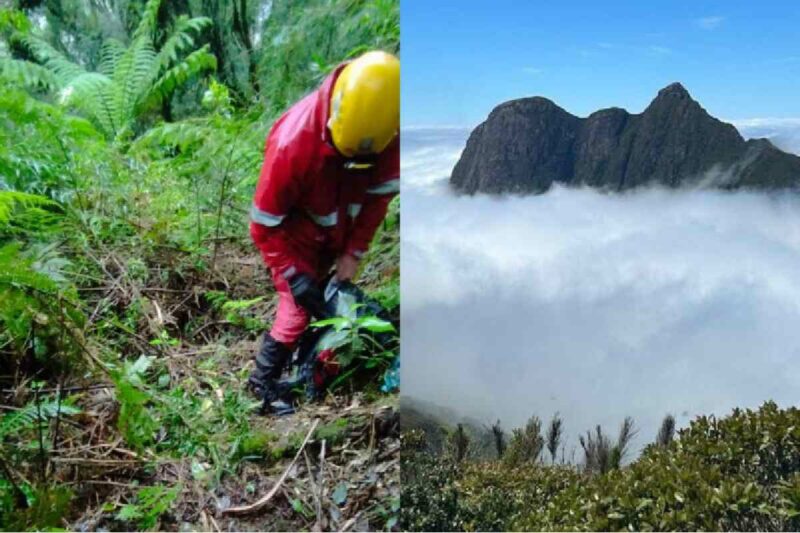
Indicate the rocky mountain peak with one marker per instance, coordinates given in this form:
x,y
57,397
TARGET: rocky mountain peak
x,y
674,90
528,144
674,96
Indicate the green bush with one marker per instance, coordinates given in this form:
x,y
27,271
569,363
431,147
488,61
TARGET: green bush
x,y
737,473
430,499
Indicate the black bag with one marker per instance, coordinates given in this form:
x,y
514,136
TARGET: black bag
x,y
315,363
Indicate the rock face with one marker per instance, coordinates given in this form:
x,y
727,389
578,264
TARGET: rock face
x,y
526,145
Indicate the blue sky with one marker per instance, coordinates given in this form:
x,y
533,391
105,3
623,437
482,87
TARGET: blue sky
x,y
740,59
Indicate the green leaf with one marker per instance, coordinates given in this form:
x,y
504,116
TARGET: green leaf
x,y
129,512
334,339
340,493
337,322
375,324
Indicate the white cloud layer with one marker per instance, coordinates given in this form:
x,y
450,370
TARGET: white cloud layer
x,y
596,305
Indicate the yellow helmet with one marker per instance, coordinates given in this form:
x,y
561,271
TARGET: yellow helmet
x,y
365,104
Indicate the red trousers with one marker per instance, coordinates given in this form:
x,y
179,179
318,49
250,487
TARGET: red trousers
x,y
291,320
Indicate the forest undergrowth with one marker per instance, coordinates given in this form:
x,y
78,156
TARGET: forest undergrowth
x,y
131,298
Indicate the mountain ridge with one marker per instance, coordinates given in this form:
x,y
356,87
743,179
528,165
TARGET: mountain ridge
x,y
526,145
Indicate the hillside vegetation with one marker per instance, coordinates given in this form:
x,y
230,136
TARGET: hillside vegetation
x,y
740,472
131,298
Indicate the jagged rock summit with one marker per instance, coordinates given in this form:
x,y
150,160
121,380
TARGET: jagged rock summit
x,y
526,145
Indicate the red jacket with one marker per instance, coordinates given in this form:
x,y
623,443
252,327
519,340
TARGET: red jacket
x,y
310,205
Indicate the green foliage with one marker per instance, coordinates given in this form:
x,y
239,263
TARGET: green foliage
x,y
236,311
44,150
13,20
24,433
526,444
496,497
309,41
257,444
137,421
383,259
149,505
737,473
210,426
25,213
13,423
430,499
215,160
333,432
353,339
130,80
44,511
39,316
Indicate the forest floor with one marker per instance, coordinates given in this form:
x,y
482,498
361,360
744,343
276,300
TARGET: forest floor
x,y
333,465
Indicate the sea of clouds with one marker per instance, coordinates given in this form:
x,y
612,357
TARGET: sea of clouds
x,y
593,305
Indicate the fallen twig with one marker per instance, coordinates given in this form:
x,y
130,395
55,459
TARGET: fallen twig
x,y
244,509
95,462
64,389
214,522
104,482
315,492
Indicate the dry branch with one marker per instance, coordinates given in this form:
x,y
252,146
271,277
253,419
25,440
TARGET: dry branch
x,y
244,509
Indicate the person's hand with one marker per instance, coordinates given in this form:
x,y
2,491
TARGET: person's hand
x,y
346,267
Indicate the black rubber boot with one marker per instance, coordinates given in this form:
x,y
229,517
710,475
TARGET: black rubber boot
x,y
270,361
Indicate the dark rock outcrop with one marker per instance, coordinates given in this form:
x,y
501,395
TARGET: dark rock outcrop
x,y
526,145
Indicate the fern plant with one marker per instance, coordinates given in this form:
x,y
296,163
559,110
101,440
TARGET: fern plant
x,y
15,422
130,80
46,151
13,22
150,504
39,316
137,421
24,212
39,312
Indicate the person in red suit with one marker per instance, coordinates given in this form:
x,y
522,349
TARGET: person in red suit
x,y
331,167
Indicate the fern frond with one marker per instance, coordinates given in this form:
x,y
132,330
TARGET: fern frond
x,y
91,93
11,201
184,135
128,80
148,23
135,71
26,74
13,20
14,272
110,54
26,418
34,317
180,39
84,86
194,64
60,65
